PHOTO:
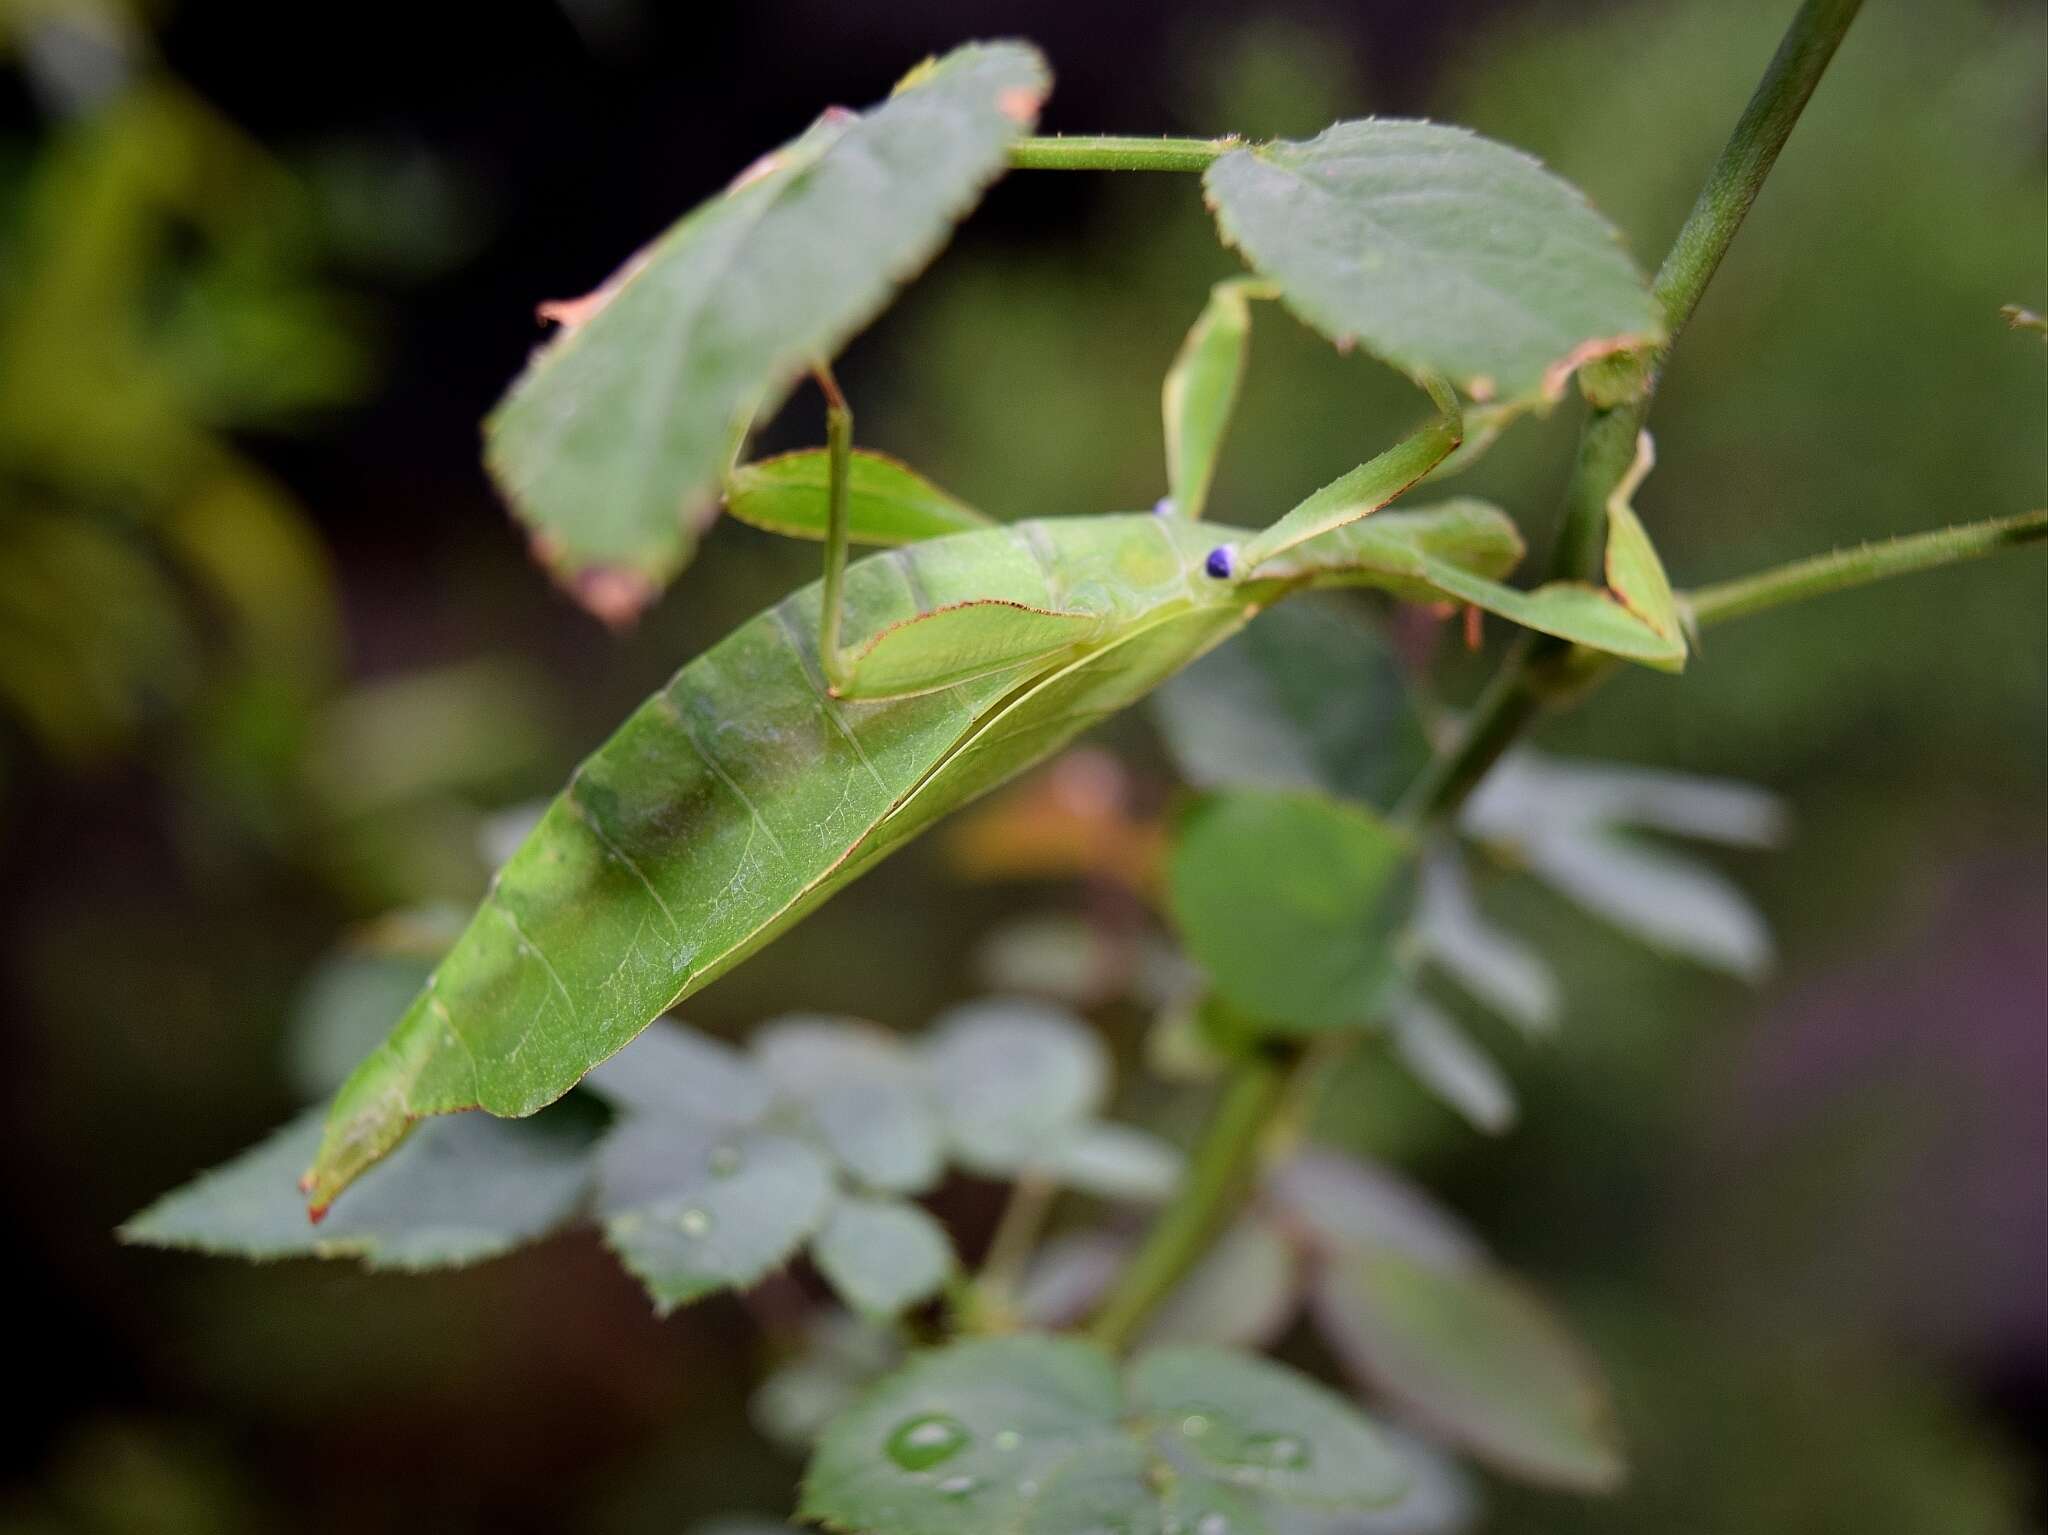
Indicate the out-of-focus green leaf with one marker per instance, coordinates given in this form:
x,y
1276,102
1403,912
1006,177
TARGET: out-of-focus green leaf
x,y
1115,1161
887,502
1200,391
964,1439
344,1010
1292,903
1039,1436
1443,1058
1263,1428
839,1358
692,1208
1309,697
1012,1076
1563,821
472,1189
864,1095
1438,251
1468,1352
1342,1203
882,1255
1493,965
612,444
1242,1294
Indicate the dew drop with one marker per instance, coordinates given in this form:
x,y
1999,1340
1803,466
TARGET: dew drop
x,y
959,1486
926,1441
1194,1425
1212,1524
1008,1439
725,1161
695,1222
1027,1488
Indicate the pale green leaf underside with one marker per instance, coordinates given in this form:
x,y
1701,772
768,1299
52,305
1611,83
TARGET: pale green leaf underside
x,y
960,643
1041,1436
1437,250
691,1209
1291,902
742,795
464,1190
887,502
882,1255
1476,1358
611,445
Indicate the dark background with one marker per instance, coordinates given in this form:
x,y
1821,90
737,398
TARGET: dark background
x,y
1806,1225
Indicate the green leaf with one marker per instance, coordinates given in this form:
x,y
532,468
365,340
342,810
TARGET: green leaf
x,y
743,795
691,1208
612,444
1115,1161
471,1189
1494,966
887,502
883,1256
1292,903
1264,1428
1039,1436
1443,1058
1341,1203
864,1095
1470,1353
1014,1076
1438,251
839,1357
1309,697
344,1009
964,1439
1201,391
1243,1294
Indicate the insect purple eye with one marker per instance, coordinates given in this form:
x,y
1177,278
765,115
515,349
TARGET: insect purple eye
x,y
1222,561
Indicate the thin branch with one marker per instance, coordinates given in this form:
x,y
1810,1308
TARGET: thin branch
x,y
1106,152
1844,568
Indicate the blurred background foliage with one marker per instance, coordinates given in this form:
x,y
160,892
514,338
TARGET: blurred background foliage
x,y
271,659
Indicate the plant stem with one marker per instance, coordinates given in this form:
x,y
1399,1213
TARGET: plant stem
x,y
1106,152
839,451
1843,568
1223,1164
1016,1233
1607,444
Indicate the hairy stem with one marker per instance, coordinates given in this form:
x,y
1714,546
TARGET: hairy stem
x,y
1223,1164
1106,152
1216,1179
1607,445
1843,568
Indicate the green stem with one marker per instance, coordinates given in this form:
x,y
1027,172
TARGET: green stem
x,y
1255,1094
1752,149
1106,152
1016,1234
1843,568
1216,1179
1607,444
839,459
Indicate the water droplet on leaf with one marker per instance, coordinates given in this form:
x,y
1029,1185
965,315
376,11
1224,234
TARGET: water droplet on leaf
x,y
959,1486
1283,1451
1008,1439
926,1441
695,1222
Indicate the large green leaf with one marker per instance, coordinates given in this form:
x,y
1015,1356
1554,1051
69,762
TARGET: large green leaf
x,y
470,1189
743,794
1437,250
1042,1436
1292,903
611,445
